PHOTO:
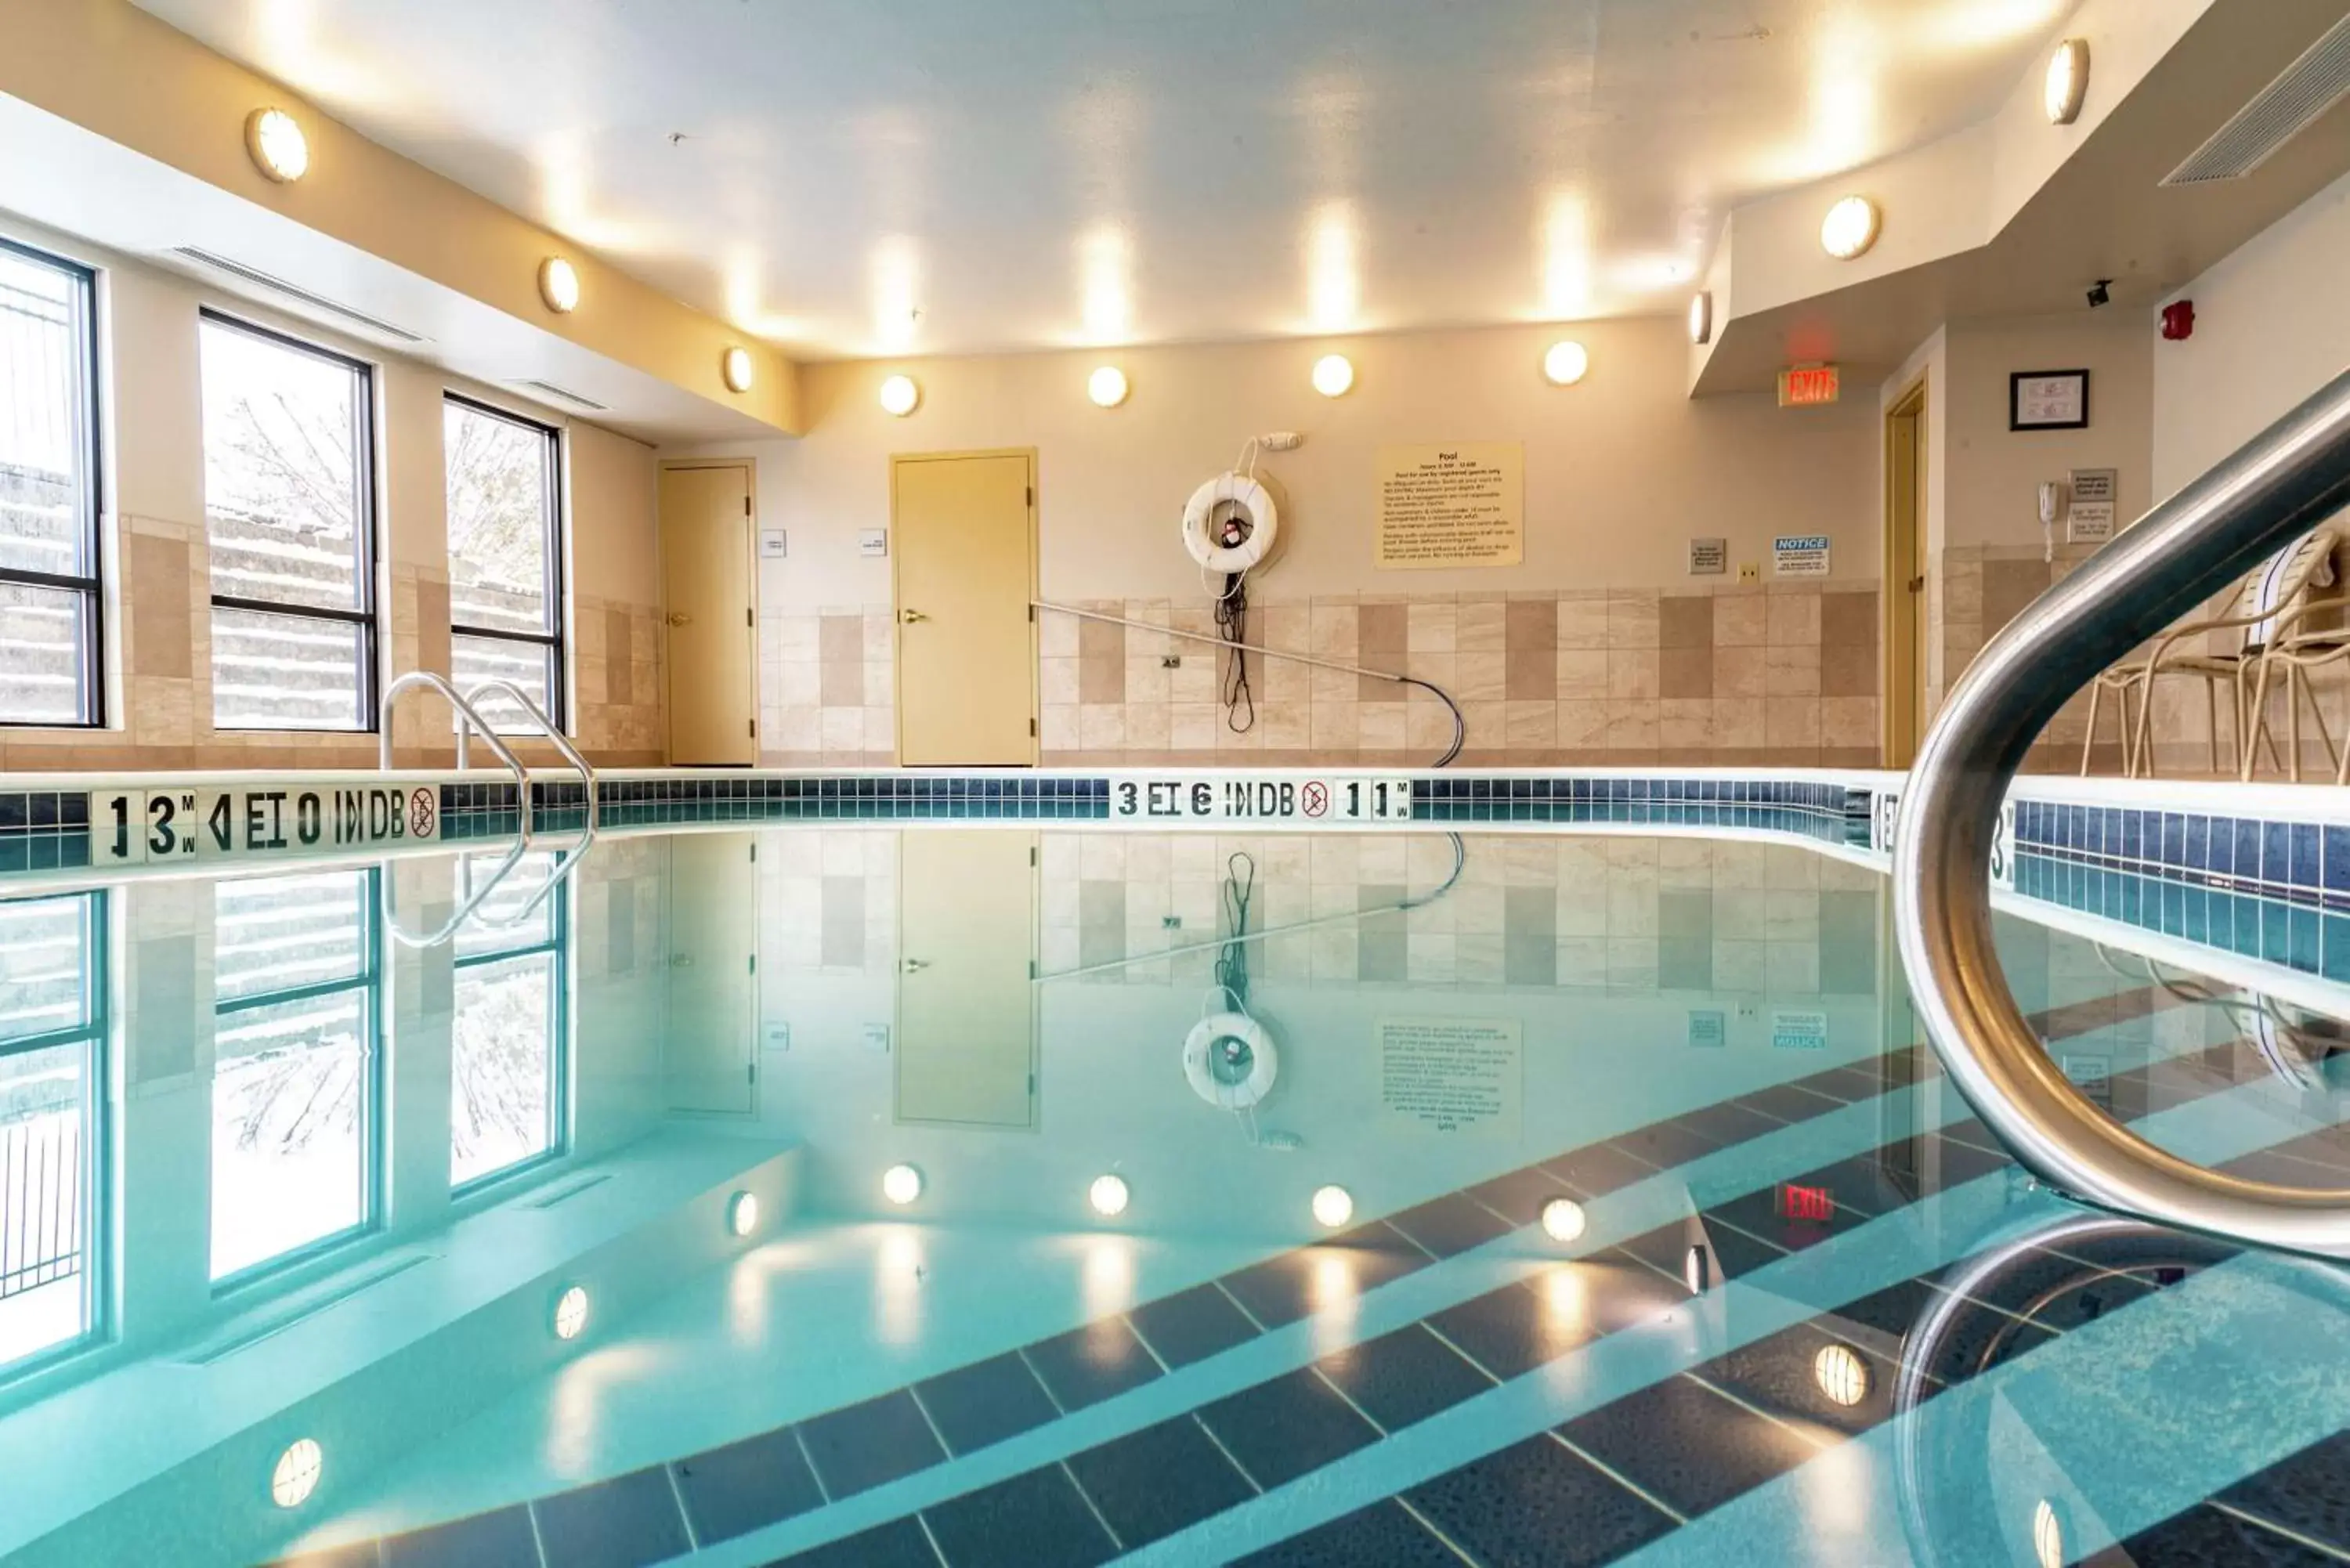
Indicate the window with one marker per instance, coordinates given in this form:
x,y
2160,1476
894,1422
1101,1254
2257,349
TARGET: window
x,y
52,1036
49,492
507,1032
289,502
294,1067
505,595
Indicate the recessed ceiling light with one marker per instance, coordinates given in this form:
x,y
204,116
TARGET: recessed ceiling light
x,y
1108,1196
1106,387
296,1474
571,1313
1563,1219
1841,1375
736,367
902,1184
1850,228
742,1213
2068,81
1332,375
274,139
1700,317
1334,1206
559,285
1567,363
900,395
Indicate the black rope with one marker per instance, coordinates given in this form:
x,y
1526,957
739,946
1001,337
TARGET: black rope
x,y
1460,725
1232,624
1231,965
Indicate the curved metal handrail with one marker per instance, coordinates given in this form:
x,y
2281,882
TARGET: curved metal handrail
x,y
2283,483
466,715
562,742
566,862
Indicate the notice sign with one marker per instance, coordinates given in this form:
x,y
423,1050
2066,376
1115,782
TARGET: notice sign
x,y
1463,1076
1799,1031
161,827
2089,519
1709,557
1800,555
1461,505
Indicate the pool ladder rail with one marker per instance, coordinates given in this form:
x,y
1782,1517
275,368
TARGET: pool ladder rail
x,y
469,718
2281,485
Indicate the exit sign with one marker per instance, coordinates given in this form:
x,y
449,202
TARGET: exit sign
x,y
1807,386
1814,1204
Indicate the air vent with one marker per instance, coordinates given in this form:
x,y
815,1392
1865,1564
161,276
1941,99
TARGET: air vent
x,y
2278,113
562,395
259,279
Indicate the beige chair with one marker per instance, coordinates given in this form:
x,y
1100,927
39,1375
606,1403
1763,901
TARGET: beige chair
x,y
2270,599
2309,637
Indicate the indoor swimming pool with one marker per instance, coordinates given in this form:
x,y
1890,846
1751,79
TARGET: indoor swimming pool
x,y
1030,1192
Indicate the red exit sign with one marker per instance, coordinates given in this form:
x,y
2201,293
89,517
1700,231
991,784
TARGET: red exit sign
x,y
1808,386
1813,1204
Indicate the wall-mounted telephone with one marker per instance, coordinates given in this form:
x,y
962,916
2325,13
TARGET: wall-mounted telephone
x,y
2052,507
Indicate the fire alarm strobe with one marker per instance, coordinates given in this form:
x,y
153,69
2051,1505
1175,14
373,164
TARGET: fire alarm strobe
x,y
2179,320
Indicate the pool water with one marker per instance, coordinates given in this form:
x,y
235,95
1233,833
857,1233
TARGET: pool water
x,y
1007,1195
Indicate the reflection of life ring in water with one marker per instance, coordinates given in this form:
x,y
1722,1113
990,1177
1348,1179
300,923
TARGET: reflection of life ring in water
x,y
1230,1061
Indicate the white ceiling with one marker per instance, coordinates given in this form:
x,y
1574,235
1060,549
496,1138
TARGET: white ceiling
x,y
873,177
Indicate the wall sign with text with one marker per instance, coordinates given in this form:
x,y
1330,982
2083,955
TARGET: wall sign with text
x,y
1456,506
1296,800
2048,401
281,817
1800,555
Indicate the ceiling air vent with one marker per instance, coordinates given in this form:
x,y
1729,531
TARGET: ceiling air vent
x,y
295,292
562,395
2278,113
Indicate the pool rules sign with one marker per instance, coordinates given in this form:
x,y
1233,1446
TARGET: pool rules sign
x,y
1456,506
244,821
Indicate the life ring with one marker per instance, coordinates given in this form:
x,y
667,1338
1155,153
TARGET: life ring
x,y
1229,524
1230,1060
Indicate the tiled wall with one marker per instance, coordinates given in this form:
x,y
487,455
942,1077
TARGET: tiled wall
x,y
1784,675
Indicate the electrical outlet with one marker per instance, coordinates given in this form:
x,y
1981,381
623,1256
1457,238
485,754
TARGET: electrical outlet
x,y
1171,922
1171,662
1749,572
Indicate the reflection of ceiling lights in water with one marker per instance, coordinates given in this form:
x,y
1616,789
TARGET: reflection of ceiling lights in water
x,y
1563,1219
1697,1271
1108,1196
1841,1373
571,1314
299,1468
902,1184
2047,1535
1334,1206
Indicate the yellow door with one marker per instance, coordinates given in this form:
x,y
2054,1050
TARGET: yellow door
x,y
1905,579
709,1049
966,642
966,996
709,586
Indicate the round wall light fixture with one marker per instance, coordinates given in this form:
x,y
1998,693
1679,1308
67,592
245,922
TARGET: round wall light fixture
x,y
736,367
274,140
296,1474
558,286
1334,1206
1565,363
1850,228
1700,317
899,396
742,1213
1108,1195
1563,1220
902,1184
2067,82
1333,375
1841,1375
1106,387
571,1313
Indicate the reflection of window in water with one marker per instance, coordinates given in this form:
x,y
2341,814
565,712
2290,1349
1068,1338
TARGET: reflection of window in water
x,y
52,1027
506,1037
295,968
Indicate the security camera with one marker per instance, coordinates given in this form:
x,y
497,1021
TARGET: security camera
x,y
2101,293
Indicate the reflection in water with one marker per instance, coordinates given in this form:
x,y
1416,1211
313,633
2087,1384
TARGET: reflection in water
x,y
505,1061
52,1027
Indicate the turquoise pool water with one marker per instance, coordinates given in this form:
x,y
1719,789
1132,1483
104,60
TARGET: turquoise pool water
x,y
1533,1198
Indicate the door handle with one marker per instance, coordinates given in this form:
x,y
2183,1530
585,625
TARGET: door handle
x,y
908,617
912,966
679,617
1916,584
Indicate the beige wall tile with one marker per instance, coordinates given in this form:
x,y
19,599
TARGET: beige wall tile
x,y
1793,619
1685,621
1480,625
1686,672
1583,620
1632,673
1430,628
1582,723
1791,670
1740,618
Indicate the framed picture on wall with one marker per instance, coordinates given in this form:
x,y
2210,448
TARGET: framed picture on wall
x,y
2048,401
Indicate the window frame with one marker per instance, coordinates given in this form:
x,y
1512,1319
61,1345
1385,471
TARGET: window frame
x,y
374,1033
364,414
557,947
558,674
93,1031
90,409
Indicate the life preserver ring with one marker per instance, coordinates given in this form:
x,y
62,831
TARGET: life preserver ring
x,y
1230,523
1230,1060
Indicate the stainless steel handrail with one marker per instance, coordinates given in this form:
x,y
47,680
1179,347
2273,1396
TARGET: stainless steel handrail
x,y
466,715
562,742
2283,483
